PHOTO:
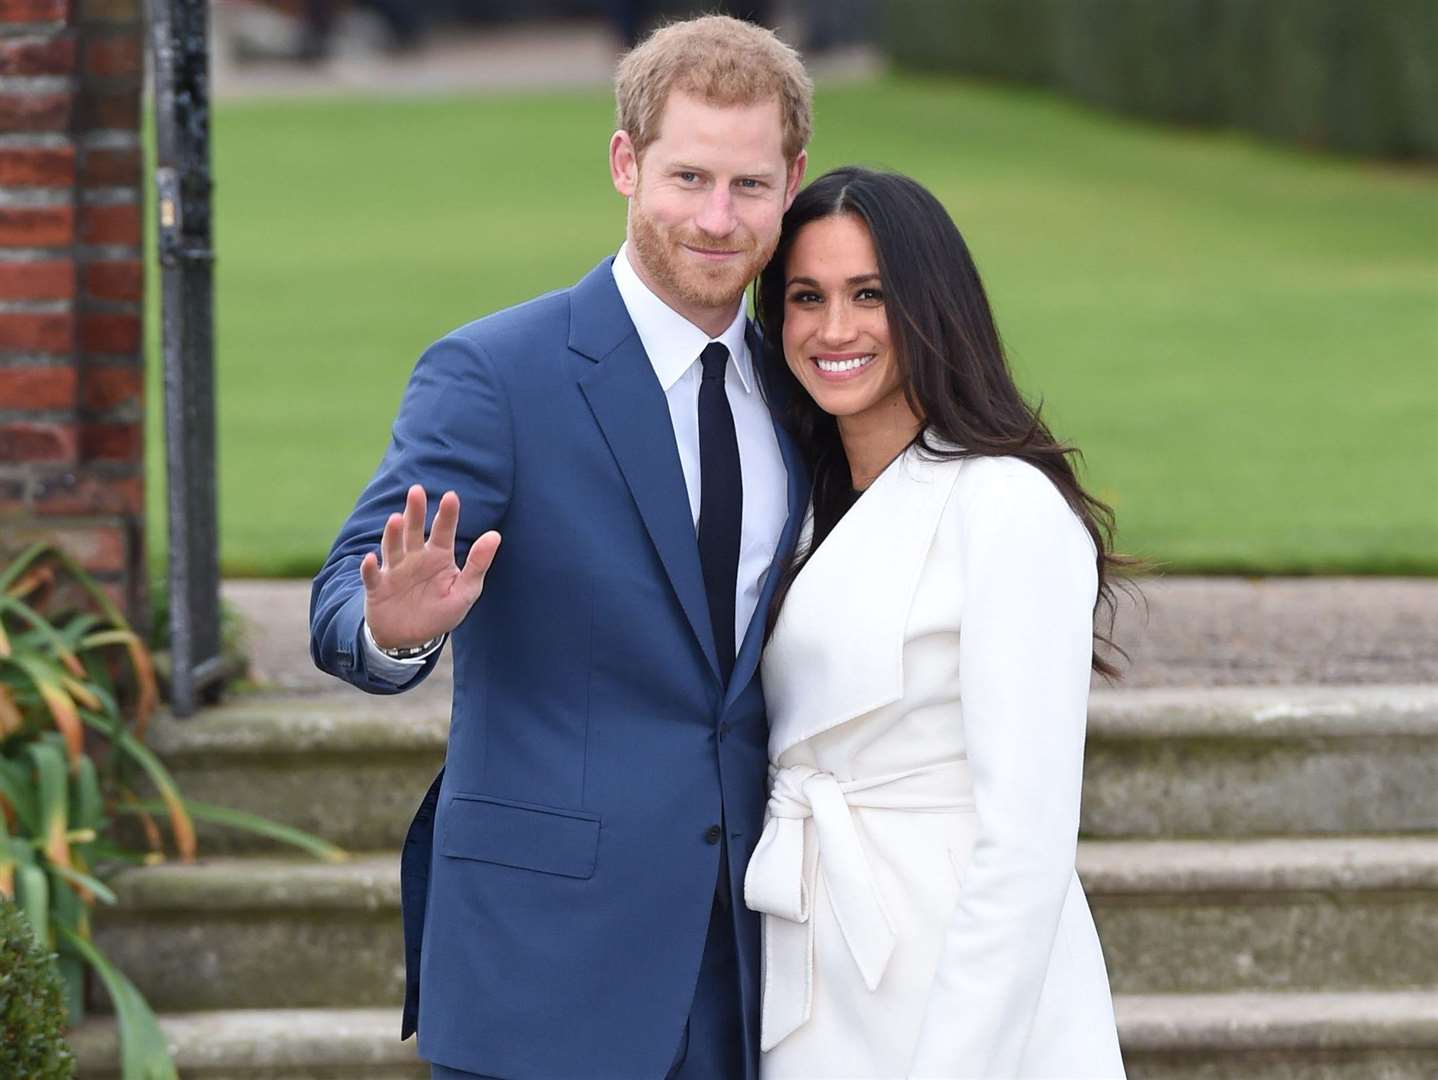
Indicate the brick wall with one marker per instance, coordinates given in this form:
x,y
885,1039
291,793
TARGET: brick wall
x,y
71,282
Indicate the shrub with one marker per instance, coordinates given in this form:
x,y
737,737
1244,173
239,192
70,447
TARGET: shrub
x,y
1361,78
32,1007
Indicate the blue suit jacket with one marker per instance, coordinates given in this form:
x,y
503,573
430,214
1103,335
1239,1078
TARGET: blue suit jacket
x,y
557,879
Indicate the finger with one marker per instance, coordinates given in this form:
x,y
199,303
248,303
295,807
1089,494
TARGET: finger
x,y
391,541
414,509
446,523
369,571
479,560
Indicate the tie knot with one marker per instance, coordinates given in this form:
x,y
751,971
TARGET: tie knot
x,y
714,357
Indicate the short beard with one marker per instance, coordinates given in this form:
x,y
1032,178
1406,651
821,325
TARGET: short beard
x,y
702,287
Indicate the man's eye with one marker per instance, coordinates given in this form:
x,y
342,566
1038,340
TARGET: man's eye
x,y
688,177
750,183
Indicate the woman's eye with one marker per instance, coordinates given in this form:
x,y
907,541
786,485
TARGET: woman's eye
x,y
803,297
871,294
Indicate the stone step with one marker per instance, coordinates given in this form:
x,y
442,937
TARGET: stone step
x,y
348,767
1256,1036
1160,762
1239,761
265,1044
1280,1036
259,932
1311,913
1174,916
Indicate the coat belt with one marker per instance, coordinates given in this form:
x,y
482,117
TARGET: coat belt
x,y
780,886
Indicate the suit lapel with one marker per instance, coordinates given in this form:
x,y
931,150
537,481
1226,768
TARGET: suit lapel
x,y
630,408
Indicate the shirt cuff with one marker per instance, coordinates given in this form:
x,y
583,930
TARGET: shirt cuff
x,y
388,668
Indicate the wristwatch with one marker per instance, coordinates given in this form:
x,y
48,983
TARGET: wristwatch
x,y
404,652
410,652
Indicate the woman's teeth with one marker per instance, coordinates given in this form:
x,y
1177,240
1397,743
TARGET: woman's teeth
x,y
833,367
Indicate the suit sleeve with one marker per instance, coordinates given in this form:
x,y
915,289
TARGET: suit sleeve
x,y
1025,646
454,432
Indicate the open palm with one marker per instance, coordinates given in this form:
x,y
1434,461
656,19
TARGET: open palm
x,y
414,589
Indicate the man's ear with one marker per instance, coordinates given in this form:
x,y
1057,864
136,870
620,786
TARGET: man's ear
x,y
623,164
795,178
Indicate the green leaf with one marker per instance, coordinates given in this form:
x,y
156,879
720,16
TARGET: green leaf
x,y
43,631
17,784
144,1051
32,896
52,788
251,823
86,804
180,823
46,678
78,626
85,881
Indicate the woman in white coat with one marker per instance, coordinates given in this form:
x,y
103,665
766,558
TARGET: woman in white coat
x,y
926,675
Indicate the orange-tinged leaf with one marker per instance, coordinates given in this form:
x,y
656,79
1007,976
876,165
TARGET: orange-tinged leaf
x,y
81,692
61,705
67,720
149,689
180,825
11,718
72,663
144,669
147,822
35,578
4,640
57,842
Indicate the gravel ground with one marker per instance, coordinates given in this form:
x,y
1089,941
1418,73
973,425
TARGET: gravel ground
x,y
1197,632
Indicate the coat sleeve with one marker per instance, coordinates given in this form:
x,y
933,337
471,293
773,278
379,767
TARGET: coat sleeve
x,y
1025,646
454,432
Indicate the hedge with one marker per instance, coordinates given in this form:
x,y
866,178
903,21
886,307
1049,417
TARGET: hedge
x,y
1359,76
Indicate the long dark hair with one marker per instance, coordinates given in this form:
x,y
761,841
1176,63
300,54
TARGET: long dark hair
x,y
956,376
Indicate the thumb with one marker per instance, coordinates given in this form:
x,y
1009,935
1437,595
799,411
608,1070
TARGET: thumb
x,y
479,560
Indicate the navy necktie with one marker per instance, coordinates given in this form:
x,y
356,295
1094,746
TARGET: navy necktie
x,y
721,502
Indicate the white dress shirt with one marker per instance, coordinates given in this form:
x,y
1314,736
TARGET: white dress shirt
x,y
673,345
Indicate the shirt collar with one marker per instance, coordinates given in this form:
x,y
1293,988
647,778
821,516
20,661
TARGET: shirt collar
x,y
672,342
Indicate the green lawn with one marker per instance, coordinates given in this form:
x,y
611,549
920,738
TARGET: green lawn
x,y
1242,338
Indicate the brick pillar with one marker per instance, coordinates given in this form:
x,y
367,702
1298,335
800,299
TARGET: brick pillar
x,y
71,284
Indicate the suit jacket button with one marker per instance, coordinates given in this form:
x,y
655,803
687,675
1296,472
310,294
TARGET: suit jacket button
x,y
713,833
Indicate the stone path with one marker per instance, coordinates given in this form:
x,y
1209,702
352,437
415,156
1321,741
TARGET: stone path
x,y
499,56
1197,632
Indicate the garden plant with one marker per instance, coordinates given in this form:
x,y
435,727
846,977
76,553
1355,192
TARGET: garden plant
x,y
77,693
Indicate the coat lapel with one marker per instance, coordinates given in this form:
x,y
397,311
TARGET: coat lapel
x,y
629,406
837,651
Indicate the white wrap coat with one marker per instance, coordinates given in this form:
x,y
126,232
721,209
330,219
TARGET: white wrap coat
x,y
927,686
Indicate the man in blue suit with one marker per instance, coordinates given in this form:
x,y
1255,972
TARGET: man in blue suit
x,y
573,880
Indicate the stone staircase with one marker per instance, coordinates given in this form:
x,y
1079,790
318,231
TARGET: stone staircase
x,y
1262,865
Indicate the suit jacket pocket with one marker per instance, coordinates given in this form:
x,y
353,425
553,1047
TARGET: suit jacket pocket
x,y
543,838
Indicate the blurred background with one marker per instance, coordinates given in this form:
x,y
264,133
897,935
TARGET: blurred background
x,y
1209,229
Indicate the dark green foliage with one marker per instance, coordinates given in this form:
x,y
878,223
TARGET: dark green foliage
x,y
1356,77
32,1008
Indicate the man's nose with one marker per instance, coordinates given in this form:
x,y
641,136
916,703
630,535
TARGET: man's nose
x,y
716,216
